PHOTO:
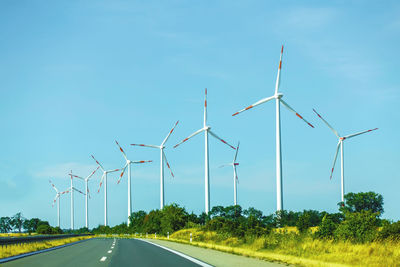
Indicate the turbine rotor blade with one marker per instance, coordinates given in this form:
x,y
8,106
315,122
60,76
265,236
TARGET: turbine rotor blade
x,y
255,104
169,167
101,182
334,160
224,165
93,172
169,134
76,176
237,178
237,150
116,170
122,151
363,132
141,161
152,146
54,187
190,136
122,173
78,191
292,110
205,108
330,127
278,77
98,163
222,140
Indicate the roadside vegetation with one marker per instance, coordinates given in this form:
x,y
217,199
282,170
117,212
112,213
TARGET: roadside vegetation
x,y
355,235
17,249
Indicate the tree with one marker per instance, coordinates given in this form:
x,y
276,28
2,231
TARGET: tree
x,y
173,218
17,221
5,224
136,221
31,225
363,201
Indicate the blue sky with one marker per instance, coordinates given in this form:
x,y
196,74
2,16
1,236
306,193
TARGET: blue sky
x,y
76,75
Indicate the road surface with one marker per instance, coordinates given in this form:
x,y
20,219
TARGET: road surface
x,y
131,252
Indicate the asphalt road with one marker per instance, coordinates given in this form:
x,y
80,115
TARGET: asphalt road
x,y
104,252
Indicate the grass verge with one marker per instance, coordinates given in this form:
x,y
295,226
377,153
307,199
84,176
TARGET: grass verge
x,y
292,248
17,249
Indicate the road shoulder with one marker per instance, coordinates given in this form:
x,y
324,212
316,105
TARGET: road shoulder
x,y
214,257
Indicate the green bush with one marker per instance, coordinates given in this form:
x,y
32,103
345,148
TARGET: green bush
x,y
358,227
327,228
390,231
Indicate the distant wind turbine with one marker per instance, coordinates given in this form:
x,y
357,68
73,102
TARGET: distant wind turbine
x,y
163,158
104,178
86,195
235,177
71,189
278,100
207,130
58,196
128,165
340,145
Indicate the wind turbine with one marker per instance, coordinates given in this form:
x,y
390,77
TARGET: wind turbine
x,y
235,177
163,158
87,194
128,165
207,130
278,100
104,177
72,188
340,145
58,195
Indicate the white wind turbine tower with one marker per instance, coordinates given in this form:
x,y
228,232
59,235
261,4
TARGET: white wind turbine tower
x,y
163,158
235,177
72,188
340,145
58,196
207,130
86,180
128,165
104,177
278,100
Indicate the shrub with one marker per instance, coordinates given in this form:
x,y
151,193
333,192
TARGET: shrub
x,y
390,231
327,228
358,227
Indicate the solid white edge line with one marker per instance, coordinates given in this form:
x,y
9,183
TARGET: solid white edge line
x,y
201,263
103,259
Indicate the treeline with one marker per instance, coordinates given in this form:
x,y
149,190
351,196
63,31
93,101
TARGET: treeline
x,y
357,220
18,223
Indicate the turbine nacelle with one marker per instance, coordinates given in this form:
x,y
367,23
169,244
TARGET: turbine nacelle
x,y
278,95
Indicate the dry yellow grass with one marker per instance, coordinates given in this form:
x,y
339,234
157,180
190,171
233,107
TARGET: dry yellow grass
x,y
15,234
308,252
17,249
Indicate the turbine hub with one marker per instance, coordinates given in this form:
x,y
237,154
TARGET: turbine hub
x,y
342,138
278,95
207,128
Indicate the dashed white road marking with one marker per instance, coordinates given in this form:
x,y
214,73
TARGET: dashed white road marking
x,y
109,251
103,258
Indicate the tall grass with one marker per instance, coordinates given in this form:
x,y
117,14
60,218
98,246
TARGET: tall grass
x,y
17,249
300,249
